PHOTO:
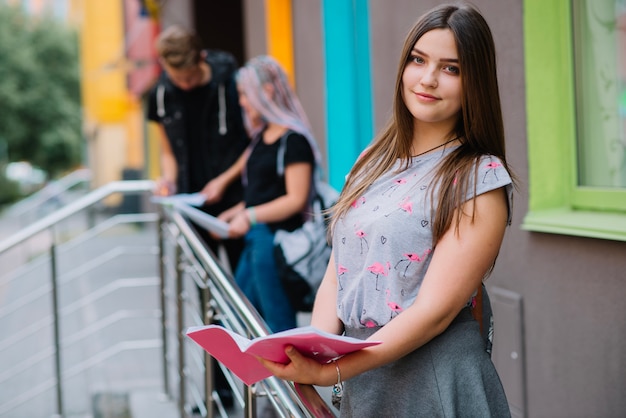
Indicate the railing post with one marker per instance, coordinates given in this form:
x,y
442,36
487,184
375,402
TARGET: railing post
x,y
179,330
57,333
250,404
207,314
163,302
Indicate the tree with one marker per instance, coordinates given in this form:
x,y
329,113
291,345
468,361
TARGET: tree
x,y
40,116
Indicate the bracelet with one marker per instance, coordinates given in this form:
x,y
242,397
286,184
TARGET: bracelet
x,y
337,392
251,215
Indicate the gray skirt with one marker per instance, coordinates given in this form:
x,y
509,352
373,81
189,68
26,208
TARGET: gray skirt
x,y
451,376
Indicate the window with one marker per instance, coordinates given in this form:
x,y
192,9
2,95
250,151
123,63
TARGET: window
x,y
575,57
600,73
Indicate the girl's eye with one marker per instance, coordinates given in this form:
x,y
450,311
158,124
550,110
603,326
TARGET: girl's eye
x,y
416,59
452,69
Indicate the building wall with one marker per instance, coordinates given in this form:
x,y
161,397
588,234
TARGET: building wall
x,y
560,326
309,64
564,355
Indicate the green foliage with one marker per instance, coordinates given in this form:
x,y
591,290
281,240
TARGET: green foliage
x,y
39,91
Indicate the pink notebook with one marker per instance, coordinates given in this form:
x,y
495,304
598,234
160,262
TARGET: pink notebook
x,y
239,353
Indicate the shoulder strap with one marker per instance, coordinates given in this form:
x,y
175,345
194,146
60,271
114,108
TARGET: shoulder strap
x,y
280,156
315,202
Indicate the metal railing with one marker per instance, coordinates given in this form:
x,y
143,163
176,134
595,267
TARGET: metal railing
x,y
51,197
50,223
225,303
185,268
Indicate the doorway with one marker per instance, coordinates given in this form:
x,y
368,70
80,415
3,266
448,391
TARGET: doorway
x,y
220,25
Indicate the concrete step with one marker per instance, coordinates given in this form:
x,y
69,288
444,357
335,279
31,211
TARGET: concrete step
x,y
151,404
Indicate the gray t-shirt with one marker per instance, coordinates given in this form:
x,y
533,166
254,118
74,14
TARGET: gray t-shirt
x,y
383,245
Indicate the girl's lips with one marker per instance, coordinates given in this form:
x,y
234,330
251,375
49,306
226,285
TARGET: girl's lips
x,y
425,96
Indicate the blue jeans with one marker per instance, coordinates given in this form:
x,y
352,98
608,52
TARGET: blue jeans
x,y
257,277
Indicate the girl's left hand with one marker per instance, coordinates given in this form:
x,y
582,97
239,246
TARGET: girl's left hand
x,y
239,225
300,369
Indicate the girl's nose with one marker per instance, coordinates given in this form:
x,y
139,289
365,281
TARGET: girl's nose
x,y
429,77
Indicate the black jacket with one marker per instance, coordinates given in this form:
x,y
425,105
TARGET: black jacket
x,y
224,131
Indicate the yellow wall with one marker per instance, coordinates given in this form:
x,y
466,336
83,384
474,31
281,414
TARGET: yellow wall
x,y
102,53
113,117
278,16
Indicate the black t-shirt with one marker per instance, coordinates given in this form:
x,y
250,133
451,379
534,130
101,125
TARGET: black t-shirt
x,y
195,102
194,122
264,183
195,105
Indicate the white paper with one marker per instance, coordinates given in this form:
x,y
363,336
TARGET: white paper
x,y
211,223
192,199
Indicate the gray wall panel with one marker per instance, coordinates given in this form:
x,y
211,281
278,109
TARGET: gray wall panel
x,y
254,28
309,65
508,347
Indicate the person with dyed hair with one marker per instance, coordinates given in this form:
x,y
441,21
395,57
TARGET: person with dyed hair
x,y
272,199
416,230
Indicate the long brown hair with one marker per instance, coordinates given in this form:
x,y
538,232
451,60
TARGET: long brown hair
x,y
479,126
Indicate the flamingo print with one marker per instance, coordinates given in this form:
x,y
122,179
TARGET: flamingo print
x,y
361,235
378,269
369,323
491,168
405,205
395,308
358,202
410,258
396,183
341,270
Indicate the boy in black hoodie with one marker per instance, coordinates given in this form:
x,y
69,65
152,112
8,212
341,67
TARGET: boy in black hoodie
x,y
196,104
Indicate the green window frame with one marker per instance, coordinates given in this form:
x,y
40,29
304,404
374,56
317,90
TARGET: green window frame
x,y
557,204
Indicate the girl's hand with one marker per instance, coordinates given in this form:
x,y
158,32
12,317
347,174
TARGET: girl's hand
x,y
214,190
239,225
228,216
300,369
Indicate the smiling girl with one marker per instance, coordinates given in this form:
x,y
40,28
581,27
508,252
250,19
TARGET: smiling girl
x,y
433,193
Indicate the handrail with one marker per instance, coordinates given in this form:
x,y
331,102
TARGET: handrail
x,y
129,186
233,303
239,302
50,221
59,186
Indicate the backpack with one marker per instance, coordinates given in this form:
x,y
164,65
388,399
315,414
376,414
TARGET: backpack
x,y
302,255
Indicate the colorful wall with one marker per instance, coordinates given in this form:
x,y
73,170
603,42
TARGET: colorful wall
x,y
117,65
560,325
558,298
